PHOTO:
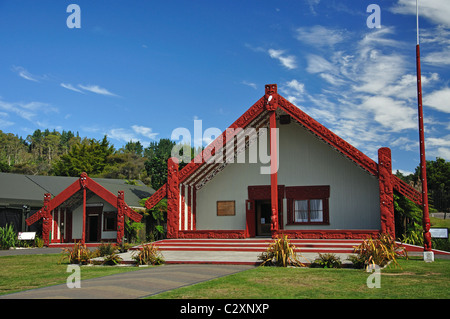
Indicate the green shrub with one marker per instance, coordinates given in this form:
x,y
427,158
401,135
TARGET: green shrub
x,y
111,259
378,251
39,242
123,247
148,255
280,253
8,237
105,249
327,261
78,254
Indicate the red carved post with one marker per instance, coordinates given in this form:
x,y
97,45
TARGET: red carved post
x,y
173,198
423,162
120,217
83,182
271,97
386,191
47,220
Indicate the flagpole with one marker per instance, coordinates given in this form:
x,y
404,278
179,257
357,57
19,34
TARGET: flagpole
x,y
428,253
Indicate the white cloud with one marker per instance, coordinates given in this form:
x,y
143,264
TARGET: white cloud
x,y
440,58
25,74
320,36
70,87
144,131
287,61
294,90
3,122
122,134
250,84
136,133
439,100
28,111
318,64
390,113
436,11
96,89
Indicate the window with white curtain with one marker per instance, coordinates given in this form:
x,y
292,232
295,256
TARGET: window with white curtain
x,y
309,210
308,205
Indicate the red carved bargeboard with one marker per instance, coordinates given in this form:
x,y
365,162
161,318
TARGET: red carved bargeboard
x,y
216,234
328,234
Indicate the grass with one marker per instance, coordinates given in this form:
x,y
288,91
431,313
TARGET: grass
x,y
416,280
439,222
35,271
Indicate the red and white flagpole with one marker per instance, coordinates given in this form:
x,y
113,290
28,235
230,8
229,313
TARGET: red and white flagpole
x,y
428,253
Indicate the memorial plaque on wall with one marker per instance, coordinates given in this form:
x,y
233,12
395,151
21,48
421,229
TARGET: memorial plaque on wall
x,y
226,208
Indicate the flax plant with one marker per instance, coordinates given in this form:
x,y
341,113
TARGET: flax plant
x,y
280,253
148,255
78,254
378,251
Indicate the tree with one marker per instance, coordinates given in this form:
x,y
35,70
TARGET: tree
x,y
89,156
438,181
134,148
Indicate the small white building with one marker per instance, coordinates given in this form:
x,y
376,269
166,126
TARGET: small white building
x,y
276,170
86,210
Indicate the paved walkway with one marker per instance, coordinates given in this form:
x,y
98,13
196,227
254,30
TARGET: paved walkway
x,y
134,284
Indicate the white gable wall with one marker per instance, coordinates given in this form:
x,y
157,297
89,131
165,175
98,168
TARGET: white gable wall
x,y
304,160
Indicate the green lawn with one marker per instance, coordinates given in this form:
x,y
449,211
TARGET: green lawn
x,y
33,271
416,280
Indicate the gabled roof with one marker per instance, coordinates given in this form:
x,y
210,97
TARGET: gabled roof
x,y
18,189
199,170
74,190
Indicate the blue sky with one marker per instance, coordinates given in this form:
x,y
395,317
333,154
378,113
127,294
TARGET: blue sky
x,y
136,70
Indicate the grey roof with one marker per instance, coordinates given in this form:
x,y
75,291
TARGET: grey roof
x,y
18,189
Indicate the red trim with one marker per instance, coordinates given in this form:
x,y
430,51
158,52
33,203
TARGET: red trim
x,y
273,172
211,234
423,162
182,208
173,198
250,210
55,225
329,234
306,193
83,233
386,191
189,212
194,209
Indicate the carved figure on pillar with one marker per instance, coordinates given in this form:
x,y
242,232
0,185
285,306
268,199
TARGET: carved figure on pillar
x,y
386,191
271,97
83,180
120,216
46,220
173,198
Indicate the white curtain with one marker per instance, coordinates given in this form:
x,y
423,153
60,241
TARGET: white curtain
x,y
316,208
301,211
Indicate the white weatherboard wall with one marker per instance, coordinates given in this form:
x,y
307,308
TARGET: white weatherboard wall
x,y
304,160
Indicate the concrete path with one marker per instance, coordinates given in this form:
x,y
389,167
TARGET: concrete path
x,y
134,284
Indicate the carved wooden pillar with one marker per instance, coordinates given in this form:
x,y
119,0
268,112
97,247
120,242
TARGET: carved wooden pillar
x,y
271,97
83,182
386,191
120,217
173,198
47,220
